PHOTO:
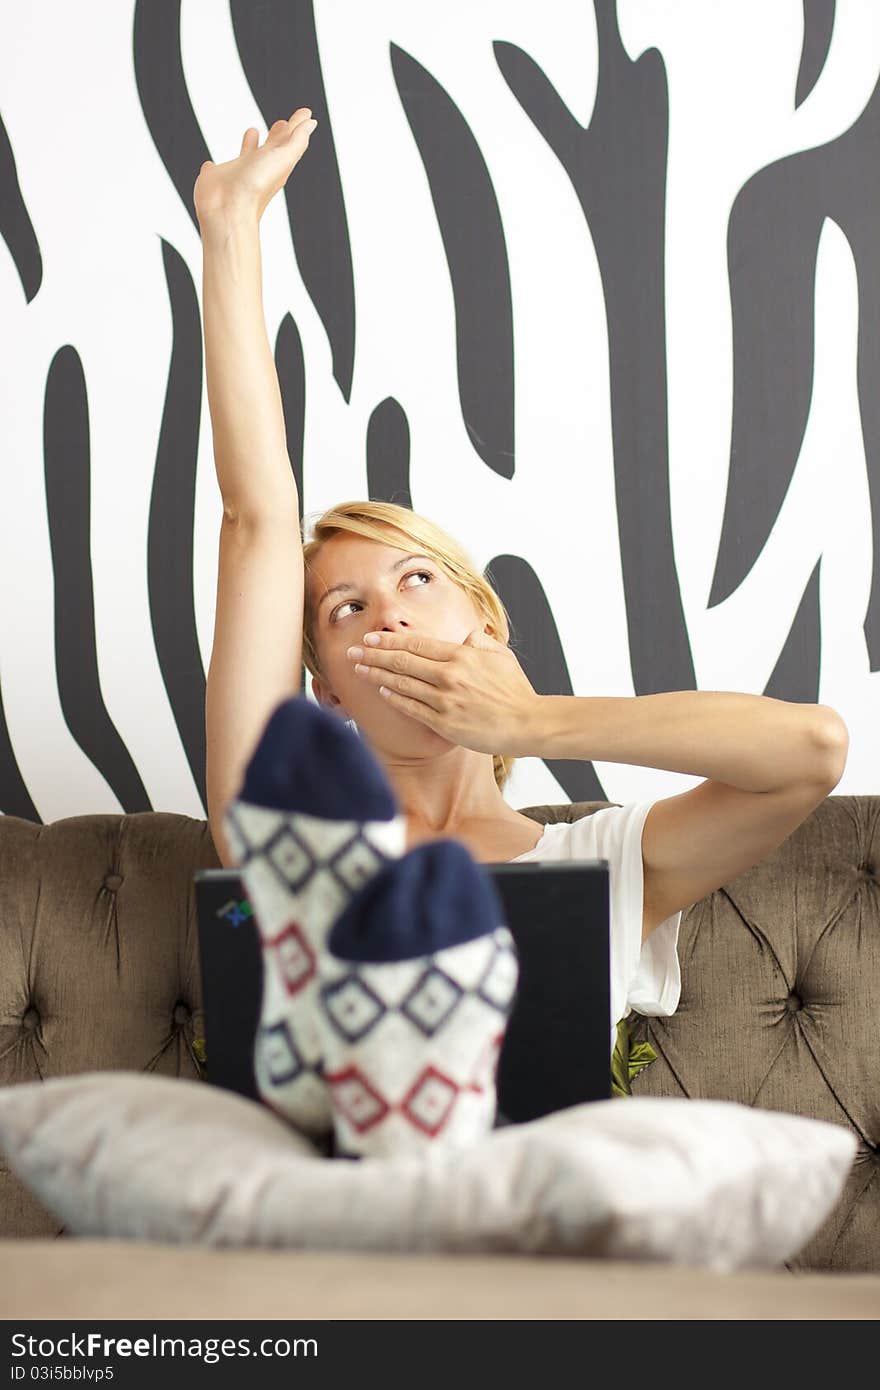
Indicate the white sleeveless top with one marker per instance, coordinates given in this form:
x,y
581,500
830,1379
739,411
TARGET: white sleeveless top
x,y
645,977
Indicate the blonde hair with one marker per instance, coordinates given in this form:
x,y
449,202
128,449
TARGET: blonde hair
x,y
374,520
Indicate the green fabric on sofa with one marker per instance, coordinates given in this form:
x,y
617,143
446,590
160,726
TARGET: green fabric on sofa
x,y
628,1059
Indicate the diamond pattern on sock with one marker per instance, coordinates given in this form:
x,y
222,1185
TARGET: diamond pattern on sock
x,y
419,1036
353,1095
342,869
315,819
262,825
498,985
352,1007
431,1001
297,962
282,1057
357,863
291,858
428,1104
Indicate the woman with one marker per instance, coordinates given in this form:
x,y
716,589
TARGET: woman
x,y
404,637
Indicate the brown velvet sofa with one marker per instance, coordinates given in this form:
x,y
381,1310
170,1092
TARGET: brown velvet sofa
x,y
781,987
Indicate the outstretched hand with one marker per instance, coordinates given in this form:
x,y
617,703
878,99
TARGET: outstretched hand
x,y
474,693
259,171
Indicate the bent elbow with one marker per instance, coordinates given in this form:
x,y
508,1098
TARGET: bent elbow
x,y
830,746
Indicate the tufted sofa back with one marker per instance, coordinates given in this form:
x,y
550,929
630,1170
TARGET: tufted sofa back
x,y
99,965
780,980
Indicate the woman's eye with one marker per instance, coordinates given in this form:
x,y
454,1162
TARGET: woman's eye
x,y
420,574
413,574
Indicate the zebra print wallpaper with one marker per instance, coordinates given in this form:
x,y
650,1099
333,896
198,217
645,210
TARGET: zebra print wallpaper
x,y
592,284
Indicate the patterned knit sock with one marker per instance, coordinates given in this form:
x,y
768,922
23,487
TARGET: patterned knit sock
x,y
416,986
314,821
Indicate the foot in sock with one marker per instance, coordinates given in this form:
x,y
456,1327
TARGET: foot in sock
x,y
314,821
416,986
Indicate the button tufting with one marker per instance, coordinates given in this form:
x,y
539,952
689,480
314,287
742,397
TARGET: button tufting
x,y
182,1014
30,1019
113,881
794,1003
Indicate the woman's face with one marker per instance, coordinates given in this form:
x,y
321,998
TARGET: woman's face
x,y
357,586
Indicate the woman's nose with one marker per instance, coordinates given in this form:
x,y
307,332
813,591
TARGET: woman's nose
x,y
388,619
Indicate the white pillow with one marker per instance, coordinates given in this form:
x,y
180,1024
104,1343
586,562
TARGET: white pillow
x,y
128,1155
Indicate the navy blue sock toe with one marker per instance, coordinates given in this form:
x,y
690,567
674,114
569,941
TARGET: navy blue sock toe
x,y
308,761
434,897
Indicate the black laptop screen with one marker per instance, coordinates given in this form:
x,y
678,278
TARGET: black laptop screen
x,y
556,1049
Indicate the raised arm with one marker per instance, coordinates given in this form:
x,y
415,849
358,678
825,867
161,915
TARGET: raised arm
x,y
256,660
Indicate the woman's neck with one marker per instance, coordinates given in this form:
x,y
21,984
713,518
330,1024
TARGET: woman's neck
x,y
448,793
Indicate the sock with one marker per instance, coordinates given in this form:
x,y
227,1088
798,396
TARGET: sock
x,y
416,986
314,820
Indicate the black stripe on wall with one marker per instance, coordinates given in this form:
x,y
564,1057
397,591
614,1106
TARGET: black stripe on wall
x,y
68,503
161,87
291,368
16,227
278,48
535,640
172,519
796,673
618,169
15,799
818,28
470,225
19,235
773,239
388,455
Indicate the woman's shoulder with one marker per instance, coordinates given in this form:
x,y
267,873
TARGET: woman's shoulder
x,y
601,833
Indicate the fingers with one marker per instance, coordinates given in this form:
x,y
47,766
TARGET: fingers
x,y
279,130
372,663
300,123
431,647
424,694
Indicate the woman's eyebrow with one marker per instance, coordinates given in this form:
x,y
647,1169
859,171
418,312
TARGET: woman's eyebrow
x,y
346,587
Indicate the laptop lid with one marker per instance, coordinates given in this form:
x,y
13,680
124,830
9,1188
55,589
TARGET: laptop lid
x,y
556,1050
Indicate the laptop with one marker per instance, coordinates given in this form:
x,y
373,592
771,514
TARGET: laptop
x,y
556,1049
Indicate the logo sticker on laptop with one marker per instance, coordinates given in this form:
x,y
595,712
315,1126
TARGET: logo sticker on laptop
x,y
235,912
